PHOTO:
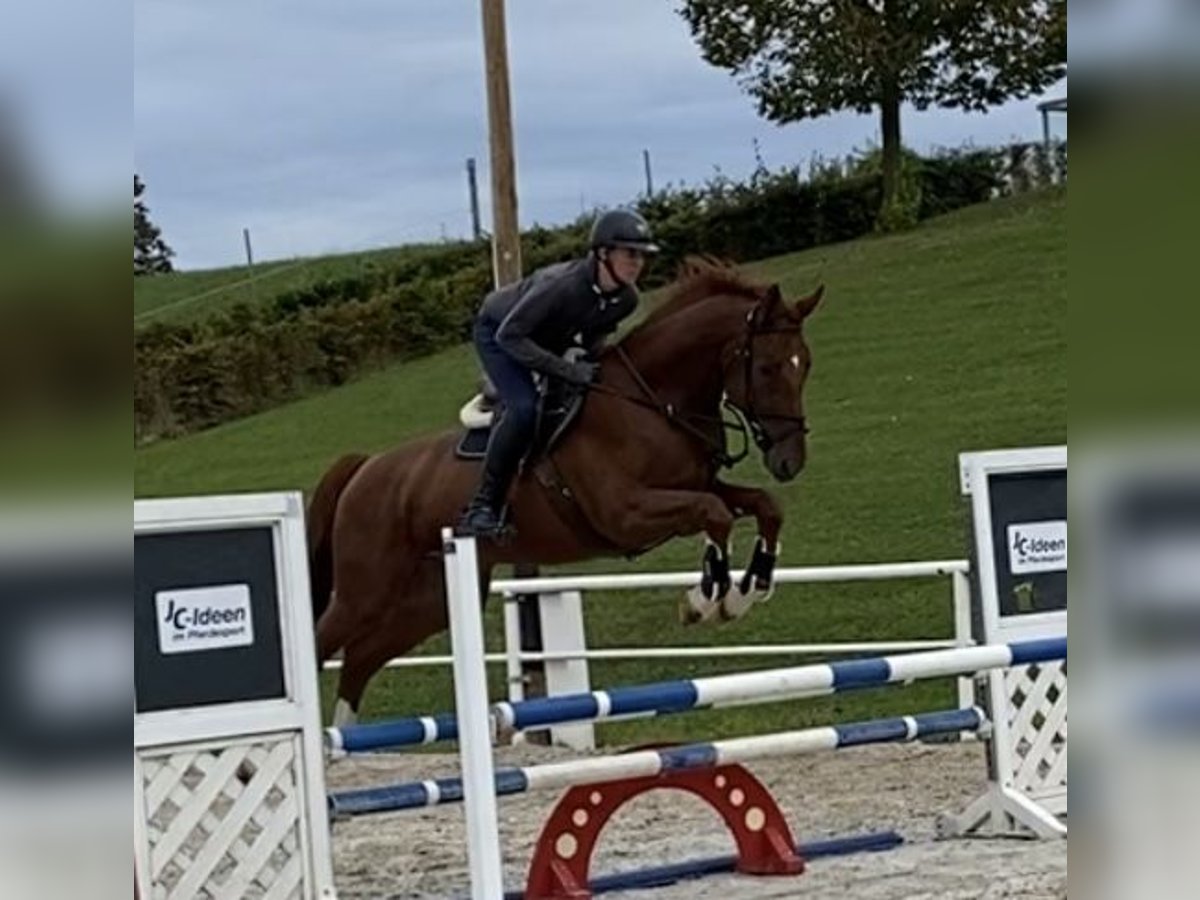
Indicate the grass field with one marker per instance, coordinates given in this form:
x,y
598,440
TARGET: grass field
x,y
179,297
948,338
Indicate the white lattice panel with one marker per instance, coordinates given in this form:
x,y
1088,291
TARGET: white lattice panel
x,y
224,823
1037,723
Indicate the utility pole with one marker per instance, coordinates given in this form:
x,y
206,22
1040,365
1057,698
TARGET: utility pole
x,y
506,238
251,288
473,188
506,267
649,179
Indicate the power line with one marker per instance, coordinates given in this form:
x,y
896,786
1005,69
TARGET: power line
x,y
175,304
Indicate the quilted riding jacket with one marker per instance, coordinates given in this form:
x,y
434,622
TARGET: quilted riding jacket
x,y
539,317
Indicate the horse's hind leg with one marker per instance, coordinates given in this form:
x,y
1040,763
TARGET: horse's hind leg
x,y
421,615
365,655
334,629
358,619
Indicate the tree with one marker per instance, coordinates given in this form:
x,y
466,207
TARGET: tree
x,y
801,59
151,254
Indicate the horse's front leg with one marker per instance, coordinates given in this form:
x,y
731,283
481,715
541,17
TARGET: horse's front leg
x,y
647,517
757,583
705,600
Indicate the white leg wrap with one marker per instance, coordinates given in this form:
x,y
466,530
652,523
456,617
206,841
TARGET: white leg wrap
x,y
696,607
343,714
735,604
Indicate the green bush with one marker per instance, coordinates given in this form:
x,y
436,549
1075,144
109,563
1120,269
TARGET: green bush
x,y
239,363
953,179
905,210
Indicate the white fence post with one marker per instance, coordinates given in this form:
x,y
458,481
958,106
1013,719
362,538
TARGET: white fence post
x,y
562,631
474,721
513,670
961,588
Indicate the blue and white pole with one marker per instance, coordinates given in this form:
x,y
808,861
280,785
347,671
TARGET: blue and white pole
x,y
699,693
434,792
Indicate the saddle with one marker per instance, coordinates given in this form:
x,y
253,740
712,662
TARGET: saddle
x,y
559,406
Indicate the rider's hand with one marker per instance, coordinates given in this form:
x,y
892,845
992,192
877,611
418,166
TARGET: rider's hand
x,y
584,373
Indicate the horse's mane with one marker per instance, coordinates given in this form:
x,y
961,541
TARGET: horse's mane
x,y
699,278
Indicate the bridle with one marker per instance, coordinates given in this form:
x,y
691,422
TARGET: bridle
x,y
747,418
753,416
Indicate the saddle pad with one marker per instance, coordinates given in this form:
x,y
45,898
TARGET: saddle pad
x,y
473,443
556,415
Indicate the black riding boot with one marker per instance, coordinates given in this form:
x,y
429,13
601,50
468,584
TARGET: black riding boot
x,y
484,514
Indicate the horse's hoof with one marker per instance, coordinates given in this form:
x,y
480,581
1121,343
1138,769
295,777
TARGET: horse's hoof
x,y
687,615
503,737
735,604
344,714
756,590
698,607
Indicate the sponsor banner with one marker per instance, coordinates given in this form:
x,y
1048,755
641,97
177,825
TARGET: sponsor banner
x,y
207,618
1037,547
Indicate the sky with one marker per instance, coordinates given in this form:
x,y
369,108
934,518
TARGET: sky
x,y
329,127
65,117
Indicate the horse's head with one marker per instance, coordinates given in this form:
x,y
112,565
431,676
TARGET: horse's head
x,y
765,370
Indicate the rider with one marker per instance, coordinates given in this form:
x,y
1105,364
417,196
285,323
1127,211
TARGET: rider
x,y
526,327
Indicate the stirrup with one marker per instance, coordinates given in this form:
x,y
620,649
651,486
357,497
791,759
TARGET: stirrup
x,y
501,534
497,529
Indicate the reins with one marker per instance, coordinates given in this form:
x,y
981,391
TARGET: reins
x,y
743,422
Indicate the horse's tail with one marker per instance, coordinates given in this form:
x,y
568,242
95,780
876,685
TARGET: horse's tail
x,y
321,510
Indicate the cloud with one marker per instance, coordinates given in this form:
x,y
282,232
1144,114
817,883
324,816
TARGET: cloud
x,y
323,126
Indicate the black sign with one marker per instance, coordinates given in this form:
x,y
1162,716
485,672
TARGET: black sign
x,y
1029,540
206,618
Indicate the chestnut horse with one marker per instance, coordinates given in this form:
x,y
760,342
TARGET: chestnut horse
x,y
638,467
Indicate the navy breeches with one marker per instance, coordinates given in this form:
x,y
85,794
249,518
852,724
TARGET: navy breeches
x,y
513,382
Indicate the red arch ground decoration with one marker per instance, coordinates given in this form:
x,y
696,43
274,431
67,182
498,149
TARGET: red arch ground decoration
x,y
765,846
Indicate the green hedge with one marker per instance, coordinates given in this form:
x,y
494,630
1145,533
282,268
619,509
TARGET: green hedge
x,y
784,212
190,377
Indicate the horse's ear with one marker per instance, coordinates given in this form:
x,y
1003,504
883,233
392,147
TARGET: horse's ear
x,y
806,305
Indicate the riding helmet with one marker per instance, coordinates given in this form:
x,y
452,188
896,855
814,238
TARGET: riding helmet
x,y
622,228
